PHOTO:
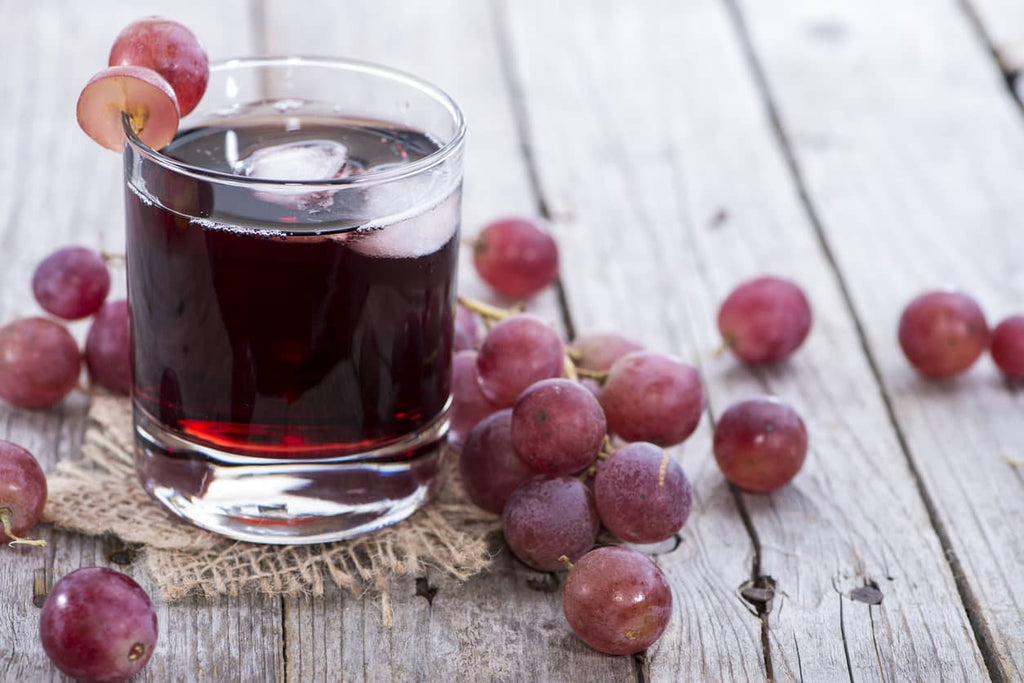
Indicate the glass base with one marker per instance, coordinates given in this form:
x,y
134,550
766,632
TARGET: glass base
x,y
290,501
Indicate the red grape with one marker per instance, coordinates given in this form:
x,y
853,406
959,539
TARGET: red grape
x,y
547,518
517,352
760,444
591,385
599,352
39,362
171,50
642,494
764,319
107,352
97,624
617,601
943,333
651,397
141,93
516,256
490,468
469,405
467,329
22,492
557,427
1008,347
71,283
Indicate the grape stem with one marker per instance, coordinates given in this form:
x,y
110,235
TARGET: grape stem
x,y
571,371
6,514
112,257
488,311
727,343
564,559
599,375
1012,461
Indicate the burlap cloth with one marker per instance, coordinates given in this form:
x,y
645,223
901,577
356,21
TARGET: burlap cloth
x,y
99,494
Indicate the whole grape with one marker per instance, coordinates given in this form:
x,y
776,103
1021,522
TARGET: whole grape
x,y
943,333
599,352
467,329
97,624
71,283
469,405
490,467
107,348
515,353
22,490
652,397
1008,347
642,494
760,444
39,362
617,601
557,426
547,518
516,256
765,319
170,49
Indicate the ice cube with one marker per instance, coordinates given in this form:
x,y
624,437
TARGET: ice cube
x,y
304,160
418,235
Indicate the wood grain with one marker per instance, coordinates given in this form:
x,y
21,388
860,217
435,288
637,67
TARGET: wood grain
x,y
1002,22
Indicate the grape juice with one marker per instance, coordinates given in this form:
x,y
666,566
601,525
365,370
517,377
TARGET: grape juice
x,y
277,325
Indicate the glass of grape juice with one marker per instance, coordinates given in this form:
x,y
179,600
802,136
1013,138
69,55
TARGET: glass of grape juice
x,y
291,280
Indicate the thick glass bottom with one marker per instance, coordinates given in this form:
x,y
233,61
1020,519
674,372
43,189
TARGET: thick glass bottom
x,y
289,501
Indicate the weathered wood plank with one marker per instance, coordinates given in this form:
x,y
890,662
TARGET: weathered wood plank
x,y
912,154
57,187
655,153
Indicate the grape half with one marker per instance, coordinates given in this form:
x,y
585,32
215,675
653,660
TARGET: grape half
x,y
764,319
557,426
515,353
22,492
617,601
171,50
651,397
642,494
71,283
469,405
97,624
599,352
1008,347
547,518
141,93
490,468
107,348
943,333
39,363
760,444
516,256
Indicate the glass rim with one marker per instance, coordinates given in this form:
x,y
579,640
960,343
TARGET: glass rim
x,y
435,158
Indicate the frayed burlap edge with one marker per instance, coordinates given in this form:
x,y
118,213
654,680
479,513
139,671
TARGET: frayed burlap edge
x,y
99,494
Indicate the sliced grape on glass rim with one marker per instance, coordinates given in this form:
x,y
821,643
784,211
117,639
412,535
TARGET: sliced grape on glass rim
x,y
140,95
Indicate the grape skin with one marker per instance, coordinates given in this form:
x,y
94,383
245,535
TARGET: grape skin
x,y
469,405
617,601
170,49
516,256
515,353
71,283
642,494
39,363
764,320
107,348
760,444
598,352
652,397
1008,347
490,467
943,333
547,518
22,489
557,427
97,624
467,329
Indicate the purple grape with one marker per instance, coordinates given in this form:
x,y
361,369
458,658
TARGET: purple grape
x,y
591,385
71,283
760,444
765,319
1008,347
599,352
469,405
516,256
97,624
557,427
547,518
107,352
651,397
39,363
617,601
467,329
490,468
515,353
22,491
943,333
642,494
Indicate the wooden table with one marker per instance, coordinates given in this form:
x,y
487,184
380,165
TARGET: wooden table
x,y
869,150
